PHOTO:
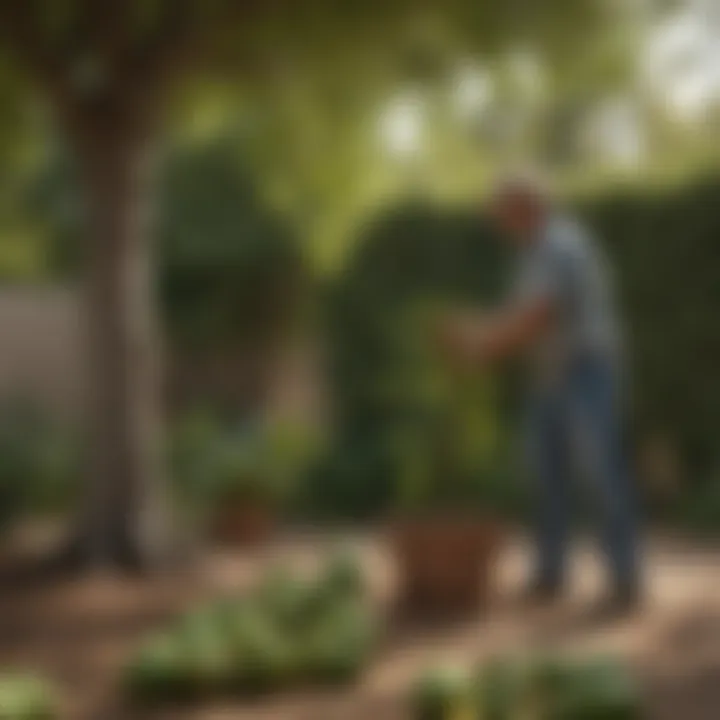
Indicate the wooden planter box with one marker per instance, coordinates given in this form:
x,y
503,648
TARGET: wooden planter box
x,y
444,565
244,523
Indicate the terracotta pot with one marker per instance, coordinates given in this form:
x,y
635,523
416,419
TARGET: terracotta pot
x,y
243,523
444,564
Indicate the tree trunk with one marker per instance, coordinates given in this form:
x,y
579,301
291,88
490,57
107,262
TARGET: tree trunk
x,y
124,522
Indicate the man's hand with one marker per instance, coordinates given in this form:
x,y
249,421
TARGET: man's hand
x,y
461,338
493,338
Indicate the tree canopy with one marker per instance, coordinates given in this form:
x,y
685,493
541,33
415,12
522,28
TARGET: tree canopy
x,y
311,79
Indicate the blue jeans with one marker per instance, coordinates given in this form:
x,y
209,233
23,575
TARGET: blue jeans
x,y
577,426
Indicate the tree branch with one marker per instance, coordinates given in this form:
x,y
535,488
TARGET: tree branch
x,y
184,34
109,31
135,68
171,46
47,67
20,29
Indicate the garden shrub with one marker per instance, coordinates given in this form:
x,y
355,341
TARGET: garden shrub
x,y
40,463
665,253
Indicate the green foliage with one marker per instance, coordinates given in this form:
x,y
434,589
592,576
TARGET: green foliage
x,y
664,248
446,443
498,688
441,694
341,642
289,630
544,688
160,670
231,268
40,463
51,196
214,461
571,689
26,697
389,391
291,600
599,690
265,658
343,575
243,469
193,442
313,130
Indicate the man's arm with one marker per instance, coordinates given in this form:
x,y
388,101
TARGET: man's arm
x,y
544,284
499,335
513,330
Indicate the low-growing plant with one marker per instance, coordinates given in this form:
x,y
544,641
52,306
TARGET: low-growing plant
x,y
290,630
542,688
26,697
442,694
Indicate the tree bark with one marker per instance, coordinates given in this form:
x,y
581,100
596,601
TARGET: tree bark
x,y
124,521
109,118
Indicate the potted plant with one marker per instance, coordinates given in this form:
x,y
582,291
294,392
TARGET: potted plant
x,y
444,536
231,480
251,475
235,480
245,491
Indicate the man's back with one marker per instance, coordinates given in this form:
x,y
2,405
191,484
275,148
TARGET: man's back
x,y
565,264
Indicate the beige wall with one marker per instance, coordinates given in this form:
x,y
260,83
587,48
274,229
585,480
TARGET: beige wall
x,y
41,359
41,348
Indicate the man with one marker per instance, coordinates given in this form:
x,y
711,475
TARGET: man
x,y
561,315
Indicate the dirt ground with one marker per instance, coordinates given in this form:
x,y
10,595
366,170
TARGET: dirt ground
x,y
79,633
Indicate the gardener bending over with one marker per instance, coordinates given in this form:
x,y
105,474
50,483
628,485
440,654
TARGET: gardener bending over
x,y
561,315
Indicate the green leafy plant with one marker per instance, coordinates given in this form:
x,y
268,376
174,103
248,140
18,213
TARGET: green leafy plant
x,y
26,697
290,630
245,469
442,694
447,442
214,463
542,688
40,463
